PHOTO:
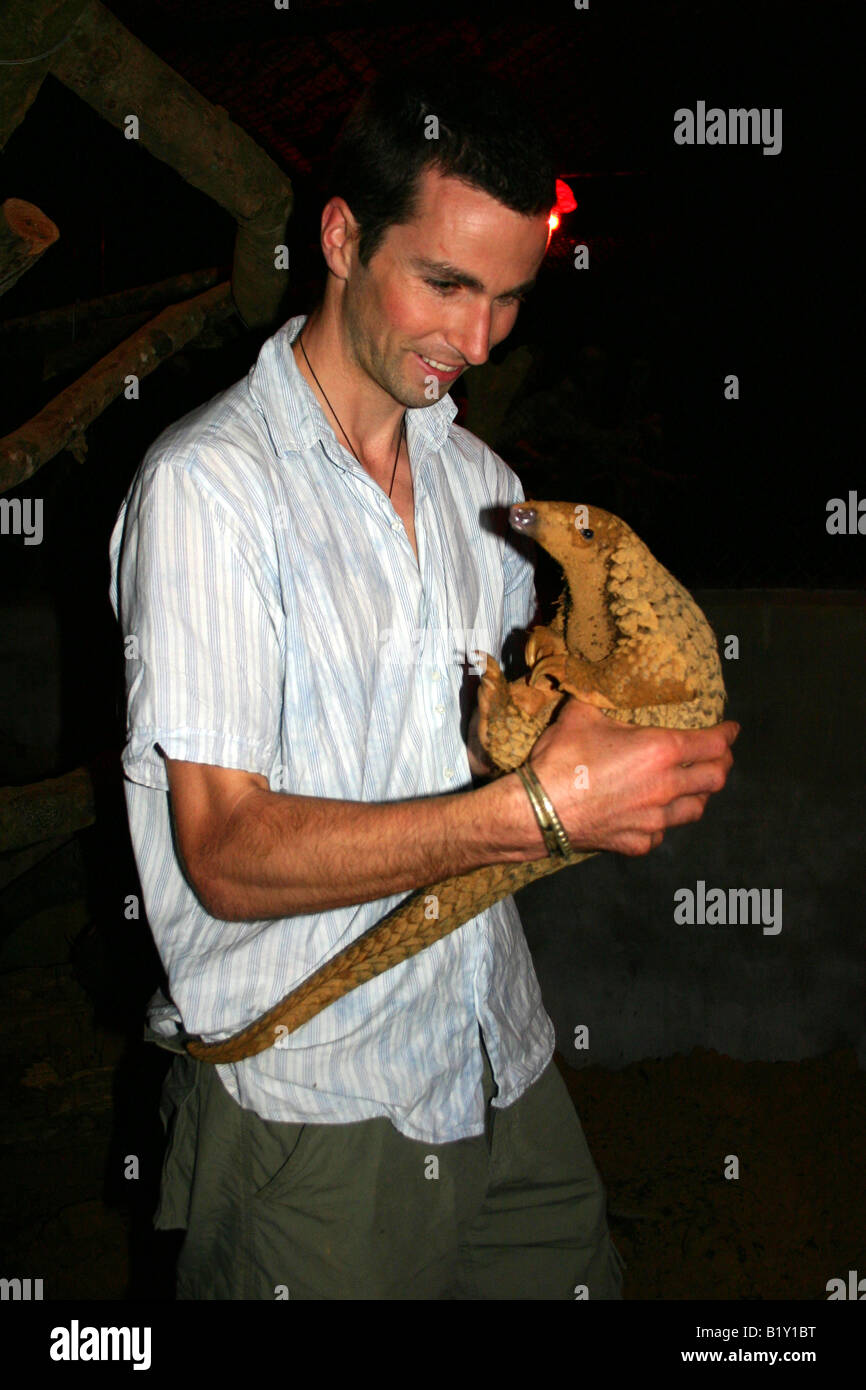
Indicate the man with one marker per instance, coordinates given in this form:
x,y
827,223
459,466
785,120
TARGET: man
x,y
306,566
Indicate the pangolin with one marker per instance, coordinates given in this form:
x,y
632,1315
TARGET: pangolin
x,y
627,638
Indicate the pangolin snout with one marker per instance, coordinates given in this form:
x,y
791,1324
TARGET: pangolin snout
x,y
523,517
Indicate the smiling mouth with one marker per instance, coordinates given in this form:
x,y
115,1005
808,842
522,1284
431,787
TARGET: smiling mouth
x,y
447,367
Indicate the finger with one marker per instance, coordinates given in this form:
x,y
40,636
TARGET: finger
x,y
702,745
686,809
701,779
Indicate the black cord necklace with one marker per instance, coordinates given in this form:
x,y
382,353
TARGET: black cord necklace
x,y
400,436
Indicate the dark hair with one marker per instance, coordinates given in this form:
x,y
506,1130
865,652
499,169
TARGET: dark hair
x,y
484,138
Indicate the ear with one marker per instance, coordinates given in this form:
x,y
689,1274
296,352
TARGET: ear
x,y
339,237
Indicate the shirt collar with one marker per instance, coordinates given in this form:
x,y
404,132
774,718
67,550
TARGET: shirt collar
x,y
294,418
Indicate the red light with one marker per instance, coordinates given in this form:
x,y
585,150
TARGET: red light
x,y
565,199
565,202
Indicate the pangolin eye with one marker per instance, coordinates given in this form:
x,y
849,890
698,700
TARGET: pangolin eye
x,y
587,534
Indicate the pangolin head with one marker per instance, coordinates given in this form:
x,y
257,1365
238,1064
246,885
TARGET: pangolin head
x,y
571,532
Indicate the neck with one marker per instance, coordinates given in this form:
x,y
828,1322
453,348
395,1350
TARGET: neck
x,y
589,626
369,415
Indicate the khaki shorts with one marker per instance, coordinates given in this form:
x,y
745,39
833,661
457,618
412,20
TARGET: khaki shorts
x,y
360,1211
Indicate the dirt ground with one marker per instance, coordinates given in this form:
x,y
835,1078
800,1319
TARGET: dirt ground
x,y
660,1132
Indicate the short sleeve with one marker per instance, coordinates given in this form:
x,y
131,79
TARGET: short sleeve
x,y
204,664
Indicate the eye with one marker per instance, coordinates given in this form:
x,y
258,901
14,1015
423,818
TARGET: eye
x,y
587,534
443,286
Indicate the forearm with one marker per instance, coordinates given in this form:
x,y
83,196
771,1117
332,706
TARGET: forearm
x,y
282,855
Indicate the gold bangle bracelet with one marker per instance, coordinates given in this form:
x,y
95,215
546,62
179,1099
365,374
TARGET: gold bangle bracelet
x,y
551,827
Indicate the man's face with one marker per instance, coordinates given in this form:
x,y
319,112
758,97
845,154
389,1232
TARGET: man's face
x,y
409,303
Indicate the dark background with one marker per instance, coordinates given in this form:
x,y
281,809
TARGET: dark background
x,y
704,261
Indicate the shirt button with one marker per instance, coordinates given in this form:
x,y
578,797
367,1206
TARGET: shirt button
x,y
440,709
437,676
449,773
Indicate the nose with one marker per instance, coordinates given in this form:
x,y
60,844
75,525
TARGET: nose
x,y
470,335
522,516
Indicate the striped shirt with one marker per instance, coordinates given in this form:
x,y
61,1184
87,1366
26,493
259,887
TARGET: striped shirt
x,y
276,620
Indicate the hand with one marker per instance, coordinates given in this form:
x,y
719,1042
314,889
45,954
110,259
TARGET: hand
x,y
639,781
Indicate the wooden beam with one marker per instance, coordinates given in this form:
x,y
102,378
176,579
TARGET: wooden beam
x,y
68,320
25,235
30,36
100,338
62,423
46,810
119,77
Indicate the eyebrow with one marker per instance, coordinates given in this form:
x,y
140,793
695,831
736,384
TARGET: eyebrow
x,y
444,270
